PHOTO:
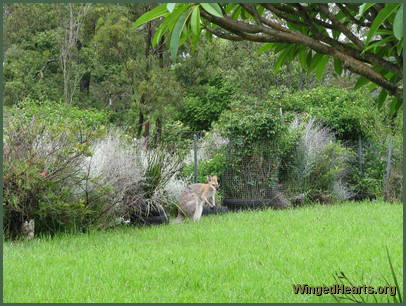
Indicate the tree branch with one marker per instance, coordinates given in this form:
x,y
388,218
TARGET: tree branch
x,y
349,62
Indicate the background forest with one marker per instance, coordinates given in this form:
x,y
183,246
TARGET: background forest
x,y
99,124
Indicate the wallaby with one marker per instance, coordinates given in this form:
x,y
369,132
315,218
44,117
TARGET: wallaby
x,y
28,229
194,197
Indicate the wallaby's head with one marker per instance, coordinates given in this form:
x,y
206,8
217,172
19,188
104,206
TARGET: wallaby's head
x,y
212,180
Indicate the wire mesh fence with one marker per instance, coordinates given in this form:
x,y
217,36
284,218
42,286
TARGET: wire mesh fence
x,y
260,174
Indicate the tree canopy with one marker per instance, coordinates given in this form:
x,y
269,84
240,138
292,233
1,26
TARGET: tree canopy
x,y
366,39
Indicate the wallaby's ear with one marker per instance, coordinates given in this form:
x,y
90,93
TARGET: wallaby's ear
x,y
208,178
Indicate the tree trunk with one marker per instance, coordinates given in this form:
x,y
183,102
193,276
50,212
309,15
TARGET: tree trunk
x,y
158,133
85,82
141,118
146,129
140,123
71,75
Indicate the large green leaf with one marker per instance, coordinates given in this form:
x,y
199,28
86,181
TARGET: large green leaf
x,y
303,58
361,82
378,43
394,106
382,16
321,66
338,66
159,11
168,24
284,55
212,8
177,31
195,20
157,36
265,47
315,61
382,97
398,24
237,12
363,8
229,7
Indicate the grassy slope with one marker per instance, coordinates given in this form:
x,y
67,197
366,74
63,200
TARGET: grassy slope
x,y
244,257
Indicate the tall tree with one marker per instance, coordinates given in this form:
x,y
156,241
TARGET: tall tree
x,y
366,39
70,48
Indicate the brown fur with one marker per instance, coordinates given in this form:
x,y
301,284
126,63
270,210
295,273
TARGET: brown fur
x,y
194,197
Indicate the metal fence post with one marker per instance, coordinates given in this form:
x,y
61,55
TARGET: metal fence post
x,y
195,157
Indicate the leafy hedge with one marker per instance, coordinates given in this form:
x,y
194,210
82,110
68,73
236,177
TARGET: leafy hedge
x,y
350,114
44,147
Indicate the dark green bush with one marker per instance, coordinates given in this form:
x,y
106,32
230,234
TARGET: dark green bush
x,y
42,171
213,166
350,114
58,113
202,108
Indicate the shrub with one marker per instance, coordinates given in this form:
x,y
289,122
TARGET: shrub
x,y
205,106
349,114
41,166
139,176
53,112
259,139
318,165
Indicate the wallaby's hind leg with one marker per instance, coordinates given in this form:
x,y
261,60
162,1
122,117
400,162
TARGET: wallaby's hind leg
x,y
178,219
198,213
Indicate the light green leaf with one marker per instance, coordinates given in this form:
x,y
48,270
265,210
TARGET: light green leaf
x,y
229,7
303,58
399,47
157,36
195,21
168,24
159,11
236,13
177,31
321,66
264,48
378,43
363,8
309,58
382,97
315,61
372,86
398,23
338,66
282,57
208,35
361,82
382,16
394,106
212,8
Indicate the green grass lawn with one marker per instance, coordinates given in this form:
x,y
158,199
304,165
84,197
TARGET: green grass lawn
x,y
253,256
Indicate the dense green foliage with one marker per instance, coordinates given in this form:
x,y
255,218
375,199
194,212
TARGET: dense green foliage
x,y
41,169
58,113
72,71
300,31
201,109
347,112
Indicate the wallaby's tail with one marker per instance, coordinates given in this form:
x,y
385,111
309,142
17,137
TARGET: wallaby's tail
x,y
178,219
